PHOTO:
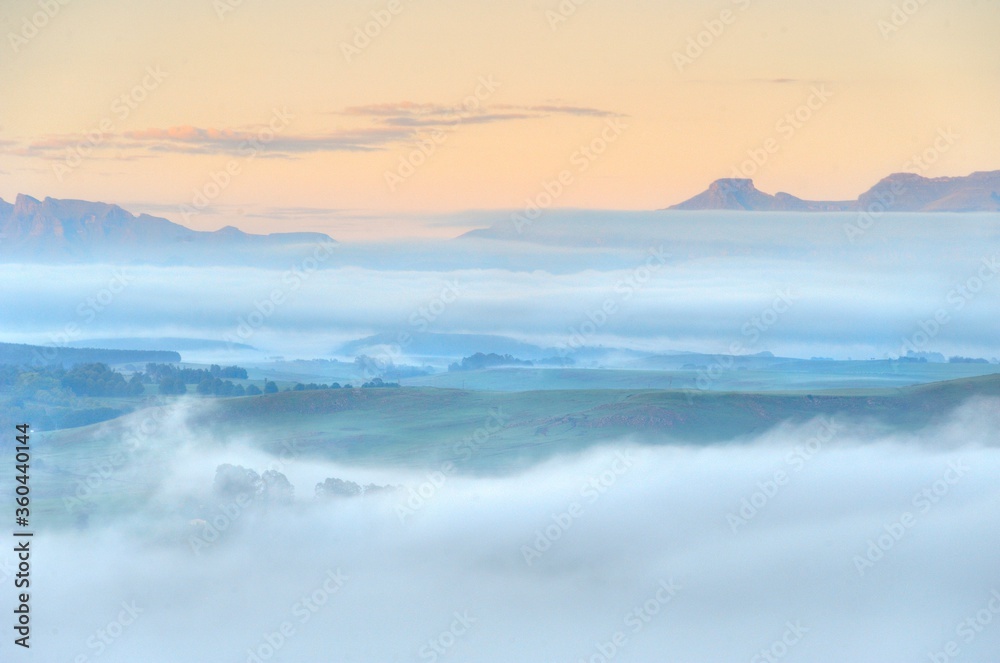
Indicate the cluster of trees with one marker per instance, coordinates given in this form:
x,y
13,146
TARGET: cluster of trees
x,y
173,380
480,360
334,488
170,386
218,387
924,357
312,386
491,360
377,383
100,380
94,380
157,372
57,384
967,360
235,481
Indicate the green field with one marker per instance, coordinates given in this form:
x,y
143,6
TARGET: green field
x,y
421,428
715,374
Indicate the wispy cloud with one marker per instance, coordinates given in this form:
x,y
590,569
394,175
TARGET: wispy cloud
x,y
199,140
194,140
548,109
383,126
419,114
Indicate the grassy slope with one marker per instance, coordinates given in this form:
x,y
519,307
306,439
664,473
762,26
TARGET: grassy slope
x,y
789,374
422,427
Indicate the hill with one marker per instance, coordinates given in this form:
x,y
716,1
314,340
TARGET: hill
x,y
82,231
432,344
741,194
496,432
160,343
899,192
18,354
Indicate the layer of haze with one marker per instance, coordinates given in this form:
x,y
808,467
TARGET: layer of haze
x,y
795,285
661,515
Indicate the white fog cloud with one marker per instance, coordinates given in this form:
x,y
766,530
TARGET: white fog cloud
x,y
707,554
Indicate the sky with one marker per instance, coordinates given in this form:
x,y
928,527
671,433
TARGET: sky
x,y
275,116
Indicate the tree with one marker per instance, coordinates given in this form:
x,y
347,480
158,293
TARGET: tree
x,y
94,380
334,487
172,386
277,488
135,386
270,387
253,390
233,481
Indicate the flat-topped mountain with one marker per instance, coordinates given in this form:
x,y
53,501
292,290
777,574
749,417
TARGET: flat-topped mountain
x,y
78,230
899,192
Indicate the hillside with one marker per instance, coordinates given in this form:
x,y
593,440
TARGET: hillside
x,y
81,231
431,344
741,194
899,192
18,354
495,432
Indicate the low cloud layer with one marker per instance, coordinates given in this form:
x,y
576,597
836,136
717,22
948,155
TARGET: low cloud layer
x,y
802,543
648,299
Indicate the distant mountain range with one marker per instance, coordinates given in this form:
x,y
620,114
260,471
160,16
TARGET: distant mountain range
x,y
19,354
431,344
899,192
155,344
77,230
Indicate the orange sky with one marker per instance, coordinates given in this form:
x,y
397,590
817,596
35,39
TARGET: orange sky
x,y
274,116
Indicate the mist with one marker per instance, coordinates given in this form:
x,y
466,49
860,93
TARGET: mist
x,y
920,284
826,541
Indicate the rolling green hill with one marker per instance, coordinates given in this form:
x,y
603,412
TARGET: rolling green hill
x,y
421,428
417,425
751,374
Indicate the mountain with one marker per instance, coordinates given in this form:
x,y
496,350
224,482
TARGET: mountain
x,y
741,194
78,230
154,344
432,344
899,192
906,192
18,354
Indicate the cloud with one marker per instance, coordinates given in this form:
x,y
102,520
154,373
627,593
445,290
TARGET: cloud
x,y
581,111
717,287
388,125
202,141
442,122
428,115
207,141
624,548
